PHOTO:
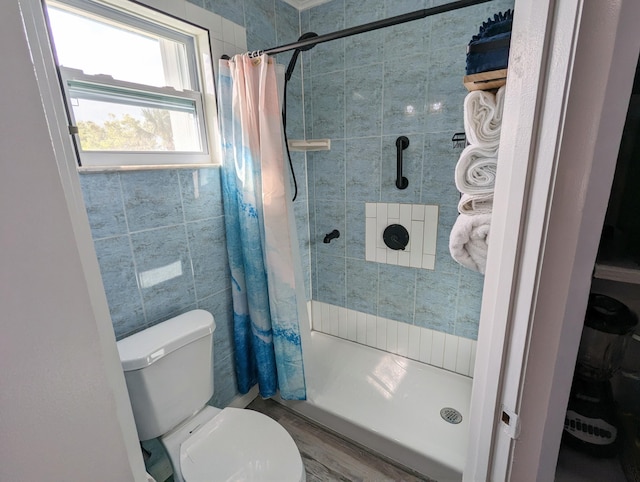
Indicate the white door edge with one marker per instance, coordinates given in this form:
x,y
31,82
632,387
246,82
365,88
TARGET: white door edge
x,y
535,321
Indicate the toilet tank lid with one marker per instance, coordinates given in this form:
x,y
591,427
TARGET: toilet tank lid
x,y
148,346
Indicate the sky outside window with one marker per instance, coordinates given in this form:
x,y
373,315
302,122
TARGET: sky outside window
x,y
99,48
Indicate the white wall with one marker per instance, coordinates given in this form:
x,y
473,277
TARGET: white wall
x,y
64,414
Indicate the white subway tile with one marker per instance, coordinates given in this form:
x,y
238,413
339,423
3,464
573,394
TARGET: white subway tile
x,y
405,215
370,239
426,339
437,349
403,339
392,336
428,261
381,255
393,211
414,342
228,31
417,212
342,325
361,328
381,333
177,9
430,230
216,33
472,362
464,356
229,48
415,264
404,258
334,320
352,325
214,23
217,51
370,210
392,256
325,318
417,228
381,224
240,35
316,315
371,330
450,352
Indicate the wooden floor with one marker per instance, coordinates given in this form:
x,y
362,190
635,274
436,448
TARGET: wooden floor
x,y
328,457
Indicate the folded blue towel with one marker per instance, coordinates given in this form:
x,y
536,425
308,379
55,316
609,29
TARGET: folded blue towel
x,y
489,49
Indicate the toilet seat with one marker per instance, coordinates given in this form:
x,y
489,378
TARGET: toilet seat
x,y
240,445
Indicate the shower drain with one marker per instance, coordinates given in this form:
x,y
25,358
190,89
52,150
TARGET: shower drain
x,y
451,415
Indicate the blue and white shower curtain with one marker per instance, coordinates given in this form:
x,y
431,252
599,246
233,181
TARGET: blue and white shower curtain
x,y
266,331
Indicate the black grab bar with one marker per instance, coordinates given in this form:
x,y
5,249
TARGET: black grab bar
x,y
402,143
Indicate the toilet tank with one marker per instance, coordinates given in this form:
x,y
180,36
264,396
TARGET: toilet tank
x,y
169,371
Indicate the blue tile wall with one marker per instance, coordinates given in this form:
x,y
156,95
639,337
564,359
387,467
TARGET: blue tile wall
x,y
154,273
163,268
363,169
363,95
352,91
363,92
151,199
362,286
163,250
170,224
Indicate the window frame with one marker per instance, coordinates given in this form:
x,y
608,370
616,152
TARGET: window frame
x,y
201,76
119,158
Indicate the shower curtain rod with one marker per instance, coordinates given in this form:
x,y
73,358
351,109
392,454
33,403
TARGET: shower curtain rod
x,y
367,27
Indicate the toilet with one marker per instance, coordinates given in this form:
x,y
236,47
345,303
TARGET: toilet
x,y
169,373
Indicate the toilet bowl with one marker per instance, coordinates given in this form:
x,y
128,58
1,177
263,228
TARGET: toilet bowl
x,y
169,374
234,444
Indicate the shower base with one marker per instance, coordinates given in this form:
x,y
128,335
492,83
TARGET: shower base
x,y
387,403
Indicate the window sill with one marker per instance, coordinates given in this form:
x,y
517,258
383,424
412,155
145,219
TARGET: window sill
x,y
145,167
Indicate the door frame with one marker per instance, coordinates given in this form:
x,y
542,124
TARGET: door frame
x,y
535,296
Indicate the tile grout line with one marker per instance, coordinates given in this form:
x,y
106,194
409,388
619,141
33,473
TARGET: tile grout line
x,y
133,255
186,233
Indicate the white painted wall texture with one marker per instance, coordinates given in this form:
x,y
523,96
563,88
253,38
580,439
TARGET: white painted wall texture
x,y
62,411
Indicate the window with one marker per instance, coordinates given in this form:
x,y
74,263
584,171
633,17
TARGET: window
x,y
138,84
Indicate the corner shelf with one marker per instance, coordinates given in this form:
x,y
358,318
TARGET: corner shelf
x,y
309,144
493,79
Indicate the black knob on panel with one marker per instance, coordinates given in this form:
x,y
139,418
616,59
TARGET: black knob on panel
x,y
396,237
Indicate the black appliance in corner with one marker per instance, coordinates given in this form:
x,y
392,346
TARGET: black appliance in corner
x,y
591,424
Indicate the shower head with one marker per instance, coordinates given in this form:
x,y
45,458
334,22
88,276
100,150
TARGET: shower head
x,y
296,52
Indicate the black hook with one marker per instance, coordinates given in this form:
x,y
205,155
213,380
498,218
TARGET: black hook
x,y
402,143
459,139
332,235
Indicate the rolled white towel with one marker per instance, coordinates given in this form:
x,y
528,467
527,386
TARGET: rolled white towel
x,y
475,204
499,104
483,117
476,170
468,241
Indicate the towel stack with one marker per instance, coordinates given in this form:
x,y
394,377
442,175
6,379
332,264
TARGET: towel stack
x,y
475,177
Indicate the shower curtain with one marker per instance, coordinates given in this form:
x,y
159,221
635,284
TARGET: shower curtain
x,y
268,349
